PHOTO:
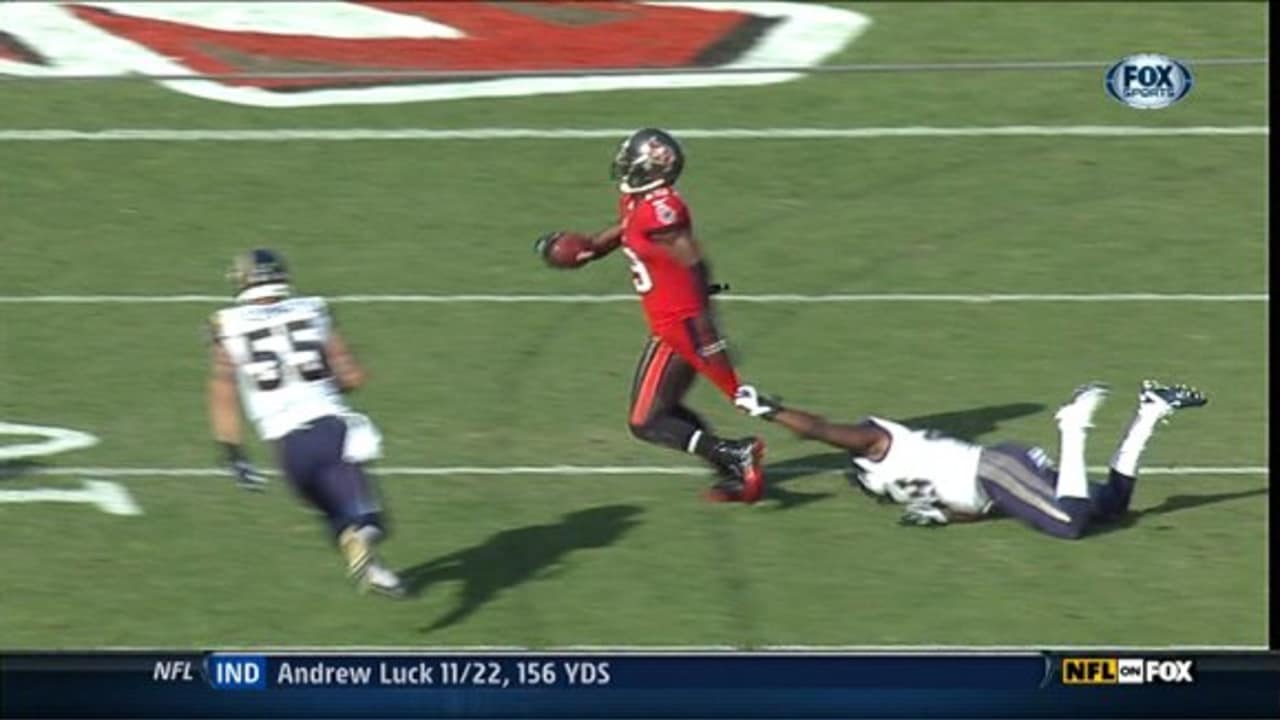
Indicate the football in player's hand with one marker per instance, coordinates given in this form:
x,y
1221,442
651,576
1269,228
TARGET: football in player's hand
x,y
565,249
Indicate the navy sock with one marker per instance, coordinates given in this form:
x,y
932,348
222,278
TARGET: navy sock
x,y
1112,499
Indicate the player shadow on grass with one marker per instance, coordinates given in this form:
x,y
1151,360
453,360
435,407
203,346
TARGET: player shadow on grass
x,y
512,557
15,469
968,425
1173,503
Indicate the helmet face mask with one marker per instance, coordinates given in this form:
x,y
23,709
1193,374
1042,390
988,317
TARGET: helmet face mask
x,y
647,160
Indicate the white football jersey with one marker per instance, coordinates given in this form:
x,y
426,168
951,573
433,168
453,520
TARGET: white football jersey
x,y
278,352
922,465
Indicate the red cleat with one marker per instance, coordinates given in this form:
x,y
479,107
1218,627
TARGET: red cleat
x,y
753,472
724,491
744,471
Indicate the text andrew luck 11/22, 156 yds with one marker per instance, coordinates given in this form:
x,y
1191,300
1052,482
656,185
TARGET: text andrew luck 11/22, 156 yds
x,y
443,672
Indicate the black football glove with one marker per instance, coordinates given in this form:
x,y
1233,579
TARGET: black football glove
x,y
247,476
542,246
703,273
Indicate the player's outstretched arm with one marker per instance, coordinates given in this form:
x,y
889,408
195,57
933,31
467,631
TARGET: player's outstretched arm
x,y
224,416
224,406
346,369
862,440
566,250
858,439
606,241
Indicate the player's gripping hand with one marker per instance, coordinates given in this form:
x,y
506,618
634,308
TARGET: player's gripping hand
x,y
752,402
247,476
564,249
923,513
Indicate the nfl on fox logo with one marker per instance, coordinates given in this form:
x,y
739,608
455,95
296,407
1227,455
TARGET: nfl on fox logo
x,y
1148,81
1125,671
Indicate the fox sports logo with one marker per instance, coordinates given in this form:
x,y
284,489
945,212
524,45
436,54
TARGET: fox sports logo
x,y
1148,81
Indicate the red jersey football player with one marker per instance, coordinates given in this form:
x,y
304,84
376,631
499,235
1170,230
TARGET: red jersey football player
x,y
655,232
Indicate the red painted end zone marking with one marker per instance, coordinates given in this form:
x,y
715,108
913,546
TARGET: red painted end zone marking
x,y
621,35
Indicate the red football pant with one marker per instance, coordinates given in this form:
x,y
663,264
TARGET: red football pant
x,y
671,360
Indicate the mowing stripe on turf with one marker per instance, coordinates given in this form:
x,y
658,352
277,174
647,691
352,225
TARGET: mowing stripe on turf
x,y
513,133
402,471
792,298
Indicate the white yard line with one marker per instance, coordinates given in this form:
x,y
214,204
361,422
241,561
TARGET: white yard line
x,y
938,66
514,133
660,650
784,298
629,470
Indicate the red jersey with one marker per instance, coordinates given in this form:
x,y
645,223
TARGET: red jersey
x,y
669,291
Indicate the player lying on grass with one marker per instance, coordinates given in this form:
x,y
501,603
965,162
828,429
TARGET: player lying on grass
x,y
943,480
669,272
291,368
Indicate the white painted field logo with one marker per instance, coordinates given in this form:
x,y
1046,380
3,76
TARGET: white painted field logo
x,y
542,43
53,440
109,497
1148,81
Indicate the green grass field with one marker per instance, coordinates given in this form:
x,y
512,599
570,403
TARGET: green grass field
x,y
636,559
